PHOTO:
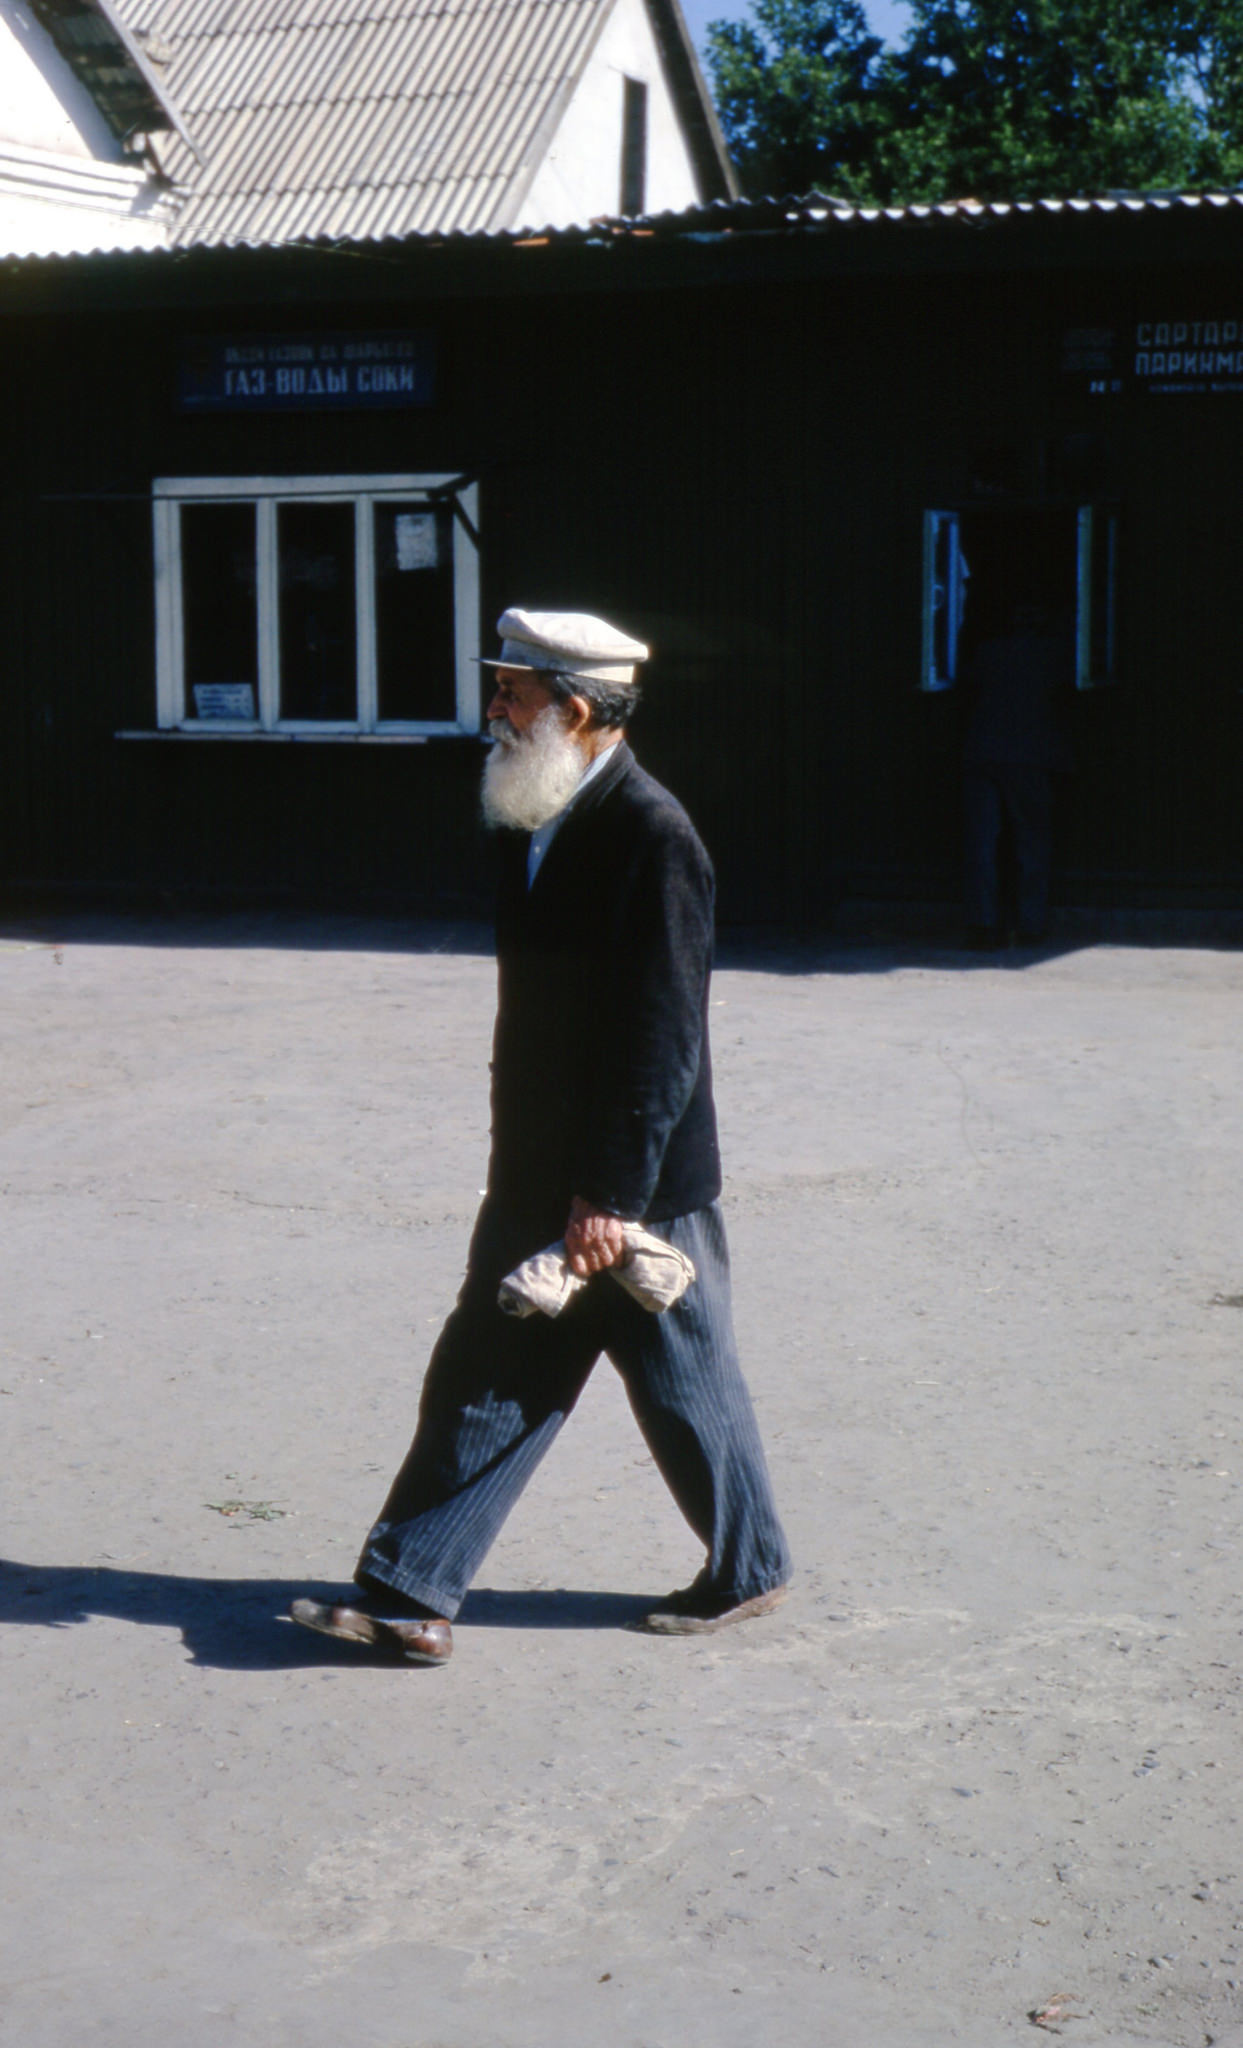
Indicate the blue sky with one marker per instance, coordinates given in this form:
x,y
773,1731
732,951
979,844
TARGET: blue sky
x,y
889,18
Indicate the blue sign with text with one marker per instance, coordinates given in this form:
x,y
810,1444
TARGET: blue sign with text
x,y
306,372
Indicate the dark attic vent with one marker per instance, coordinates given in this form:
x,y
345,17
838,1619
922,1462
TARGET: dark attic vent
x,y
101,52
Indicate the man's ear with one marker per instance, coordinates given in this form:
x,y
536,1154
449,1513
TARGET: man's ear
x,y
577,716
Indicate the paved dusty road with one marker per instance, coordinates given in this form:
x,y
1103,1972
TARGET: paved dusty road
x,y
989,1270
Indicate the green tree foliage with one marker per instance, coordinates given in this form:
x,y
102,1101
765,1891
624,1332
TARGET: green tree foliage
x,y
985,98
798,90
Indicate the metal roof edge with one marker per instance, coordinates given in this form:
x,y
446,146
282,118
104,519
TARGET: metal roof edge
x,y
813,212
724,224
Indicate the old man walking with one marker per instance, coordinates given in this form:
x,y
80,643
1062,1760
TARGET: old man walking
x,y
602,1114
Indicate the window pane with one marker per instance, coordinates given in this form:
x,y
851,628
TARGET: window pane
x,y
219,616
945,596
1094,617
414,612
318,652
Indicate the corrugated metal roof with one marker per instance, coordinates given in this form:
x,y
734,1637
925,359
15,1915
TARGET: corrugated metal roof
x,y
381,224
358,119
821,212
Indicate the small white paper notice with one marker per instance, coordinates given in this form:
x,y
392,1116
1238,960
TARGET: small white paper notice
x,y
416,540
224,700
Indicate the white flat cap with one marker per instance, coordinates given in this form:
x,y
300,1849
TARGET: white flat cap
x,y
574,642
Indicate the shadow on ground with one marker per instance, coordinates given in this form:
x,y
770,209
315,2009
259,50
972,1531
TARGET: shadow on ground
x,y
865,939
241,1624
57,923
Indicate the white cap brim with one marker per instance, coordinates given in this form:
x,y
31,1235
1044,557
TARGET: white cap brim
x,y
520,654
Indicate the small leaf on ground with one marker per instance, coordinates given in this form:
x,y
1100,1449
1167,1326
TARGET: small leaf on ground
x,y
253,1510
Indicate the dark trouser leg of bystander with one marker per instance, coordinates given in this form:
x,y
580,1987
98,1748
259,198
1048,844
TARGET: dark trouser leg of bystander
x,y
1029,805
982,811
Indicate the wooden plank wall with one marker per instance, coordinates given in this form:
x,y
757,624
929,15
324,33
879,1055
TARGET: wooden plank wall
x,y
737,474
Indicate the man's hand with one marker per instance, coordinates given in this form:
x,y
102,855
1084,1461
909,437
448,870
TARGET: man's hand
x,y
593,1239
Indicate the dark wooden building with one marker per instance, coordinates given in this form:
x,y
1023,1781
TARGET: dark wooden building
x,y
261,508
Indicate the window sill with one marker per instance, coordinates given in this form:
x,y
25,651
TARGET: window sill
x,y
249,737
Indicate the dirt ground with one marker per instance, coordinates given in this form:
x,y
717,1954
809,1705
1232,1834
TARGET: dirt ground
x,y
978,1782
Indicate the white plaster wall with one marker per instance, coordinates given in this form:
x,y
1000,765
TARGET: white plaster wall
x,y
580,177
65,184
40,218
42,104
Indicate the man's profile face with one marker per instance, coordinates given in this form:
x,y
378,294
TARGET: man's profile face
x,y
537,762
518,699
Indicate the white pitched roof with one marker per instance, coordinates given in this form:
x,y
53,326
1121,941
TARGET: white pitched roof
x,y
366,118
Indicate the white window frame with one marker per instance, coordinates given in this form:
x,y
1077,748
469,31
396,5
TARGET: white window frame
x,y
266,493
944,601
1096,573
1096,566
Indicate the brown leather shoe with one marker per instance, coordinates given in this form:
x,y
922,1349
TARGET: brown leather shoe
x,y
421,1639
692,1611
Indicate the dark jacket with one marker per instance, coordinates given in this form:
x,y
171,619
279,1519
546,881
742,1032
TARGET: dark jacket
x,y
601,1077
1017,688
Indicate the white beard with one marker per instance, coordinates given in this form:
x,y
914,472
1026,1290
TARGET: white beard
x,y
529,777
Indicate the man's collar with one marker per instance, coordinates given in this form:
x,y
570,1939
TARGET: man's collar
x,y
611,759
594,767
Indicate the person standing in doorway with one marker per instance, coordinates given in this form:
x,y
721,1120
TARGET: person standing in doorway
x,y
1016,680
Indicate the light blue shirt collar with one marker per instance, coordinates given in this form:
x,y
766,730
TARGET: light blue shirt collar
x,y
542,840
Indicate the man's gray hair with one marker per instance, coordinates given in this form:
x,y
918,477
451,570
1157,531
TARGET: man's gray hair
x,y
611,703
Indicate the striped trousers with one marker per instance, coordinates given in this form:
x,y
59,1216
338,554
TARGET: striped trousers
x,y
498,1390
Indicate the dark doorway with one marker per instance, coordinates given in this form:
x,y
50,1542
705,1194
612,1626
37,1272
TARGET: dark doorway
x,y
1018,666
1018,555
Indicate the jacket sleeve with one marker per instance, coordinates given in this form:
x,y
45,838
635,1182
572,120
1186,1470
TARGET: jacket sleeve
x,y
652,1025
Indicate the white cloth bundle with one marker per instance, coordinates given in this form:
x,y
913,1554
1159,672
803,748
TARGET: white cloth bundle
x,y
656,1273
